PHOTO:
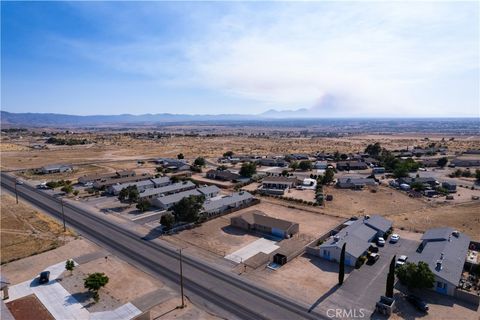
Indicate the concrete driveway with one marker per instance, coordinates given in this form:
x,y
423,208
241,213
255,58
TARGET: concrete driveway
x,y
357,296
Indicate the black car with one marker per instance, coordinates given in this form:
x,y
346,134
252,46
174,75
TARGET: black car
x,y
44,277
417,302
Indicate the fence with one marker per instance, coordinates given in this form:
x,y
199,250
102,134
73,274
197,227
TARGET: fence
x,y
469,297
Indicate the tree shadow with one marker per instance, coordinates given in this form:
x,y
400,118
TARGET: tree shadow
x,y
323,297
153,234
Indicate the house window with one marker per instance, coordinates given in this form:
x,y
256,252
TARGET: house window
x,y
441,285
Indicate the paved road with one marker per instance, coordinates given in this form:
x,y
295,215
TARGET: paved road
x,y
364,286
205,283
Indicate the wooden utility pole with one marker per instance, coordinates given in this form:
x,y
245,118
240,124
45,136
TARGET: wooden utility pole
x,y
16,193
63,217
181,281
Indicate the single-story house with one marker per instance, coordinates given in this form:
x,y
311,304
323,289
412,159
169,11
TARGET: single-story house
x,y
258,221
209,191
151,194
296,156
55,168
320,165
450,186
277,184
217,206
271,162
371,161
428,163
351,165
466,162
355,182
358,235
141,185
91,178
423,180
166,202
173,164
223,175
445,251
105,183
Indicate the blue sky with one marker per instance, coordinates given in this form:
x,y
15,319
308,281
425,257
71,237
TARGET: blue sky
x,y
334,58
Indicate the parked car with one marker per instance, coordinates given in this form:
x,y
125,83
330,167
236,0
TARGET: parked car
x,y
372,257
373,248
401,261
44,277
417,302
394,238
380,242
18,181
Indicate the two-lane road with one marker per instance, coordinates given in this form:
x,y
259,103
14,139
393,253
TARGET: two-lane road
x,y
236,296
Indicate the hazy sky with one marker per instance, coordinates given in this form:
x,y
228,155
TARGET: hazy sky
x,y
337,59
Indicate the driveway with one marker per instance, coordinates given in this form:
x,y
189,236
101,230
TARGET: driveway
x,y
363,288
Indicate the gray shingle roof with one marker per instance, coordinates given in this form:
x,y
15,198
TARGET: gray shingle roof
x,y
209,190
226,201
356,235
379,223
170,188
176,197
454,253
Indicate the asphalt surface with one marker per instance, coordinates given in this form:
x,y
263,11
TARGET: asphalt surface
x,y
233,296
363,288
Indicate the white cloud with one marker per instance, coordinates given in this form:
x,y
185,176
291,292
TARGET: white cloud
x,y
376,58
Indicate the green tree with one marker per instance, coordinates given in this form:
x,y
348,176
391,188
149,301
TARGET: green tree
x,y
400,172
477,175
248,169
284,173
70,265
143,205
341,266
228,154
417,186
373,150
129,193
67,189
94,282
305,165
180,156
328,176
159,169
294,165
222,168
416,276
76,192
390,279
167,220
442,162
199,162
188,209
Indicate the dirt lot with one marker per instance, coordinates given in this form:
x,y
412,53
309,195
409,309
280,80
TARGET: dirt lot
x,y
306,195
385,202
305,278
440,307
25,231
169,310
28,308
464,217
214,236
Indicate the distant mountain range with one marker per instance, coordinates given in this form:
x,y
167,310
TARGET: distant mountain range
x,y
55,119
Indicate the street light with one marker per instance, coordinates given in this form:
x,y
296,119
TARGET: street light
x,y
181,280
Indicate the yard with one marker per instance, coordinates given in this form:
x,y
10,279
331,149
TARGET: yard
x,y
25,231
305,278
385,201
